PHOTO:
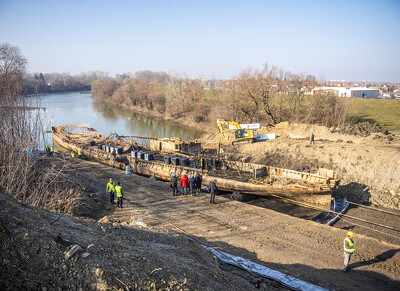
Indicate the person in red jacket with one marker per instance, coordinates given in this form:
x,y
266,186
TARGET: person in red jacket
x,y
184,183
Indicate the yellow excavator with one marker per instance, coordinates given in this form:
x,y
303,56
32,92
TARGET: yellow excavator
x,y
242,135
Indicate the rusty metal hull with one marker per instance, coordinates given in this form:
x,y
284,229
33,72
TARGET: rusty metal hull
x,y
317,195
163,172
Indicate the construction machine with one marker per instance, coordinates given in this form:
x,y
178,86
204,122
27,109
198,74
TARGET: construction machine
x,y
242,135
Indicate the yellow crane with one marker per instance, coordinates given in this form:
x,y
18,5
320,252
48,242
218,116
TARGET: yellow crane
x,y
242,135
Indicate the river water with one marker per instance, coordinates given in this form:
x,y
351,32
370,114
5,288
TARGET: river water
x,y
79,108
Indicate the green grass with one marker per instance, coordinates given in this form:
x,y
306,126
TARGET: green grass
x,y
384,112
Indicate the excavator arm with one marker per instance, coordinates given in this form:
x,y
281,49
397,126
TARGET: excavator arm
x,y
221,122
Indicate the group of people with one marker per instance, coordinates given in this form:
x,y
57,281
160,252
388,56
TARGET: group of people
x,y
111,189
49,150
192,185
79,154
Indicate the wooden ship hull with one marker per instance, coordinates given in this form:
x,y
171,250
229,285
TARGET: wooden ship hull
x,y
233,176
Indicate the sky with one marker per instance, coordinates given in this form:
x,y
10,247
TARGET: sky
x,y
351,40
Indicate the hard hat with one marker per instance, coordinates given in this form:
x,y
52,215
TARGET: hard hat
x,y
350,233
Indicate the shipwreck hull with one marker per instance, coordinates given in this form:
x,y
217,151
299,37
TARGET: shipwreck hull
x,y
162,171
317,192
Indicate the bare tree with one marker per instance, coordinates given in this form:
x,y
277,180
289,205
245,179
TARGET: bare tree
x,y
328,110
22,173
12,69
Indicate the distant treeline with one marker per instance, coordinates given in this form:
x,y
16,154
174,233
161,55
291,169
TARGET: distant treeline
x,y
38,83
268,96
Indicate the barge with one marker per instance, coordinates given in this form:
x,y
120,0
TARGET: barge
x,y
161,157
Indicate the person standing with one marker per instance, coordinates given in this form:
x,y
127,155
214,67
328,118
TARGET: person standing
x,y
79,154
120,195
199,180
111,189
47,150
51,151
222,152
184,184
174,185
349,249
312,138
213,190
73,154
192,184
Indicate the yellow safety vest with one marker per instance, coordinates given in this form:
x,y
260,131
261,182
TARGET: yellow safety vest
x,y
51,149
110,187
118,190
352,247
79,153
73,154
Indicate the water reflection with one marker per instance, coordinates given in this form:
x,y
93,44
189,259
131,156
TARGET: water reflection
x,y
141,125
76,108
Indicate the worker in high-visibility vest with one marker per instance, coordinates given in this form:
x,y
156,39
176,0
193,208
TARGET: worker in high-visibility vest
x,y
120,194
111,189
73,154
349,249
79,154
51,151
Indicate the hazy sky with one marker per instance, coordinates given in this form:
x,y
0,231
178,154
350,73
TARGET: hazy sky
x,y
340,40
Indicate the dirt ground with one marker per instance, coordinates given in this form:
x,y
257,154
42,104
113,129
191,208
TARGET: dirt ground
x,y
164,251
294,246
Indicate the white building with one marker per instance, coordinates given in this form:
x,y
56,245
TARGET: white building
x,y
360,92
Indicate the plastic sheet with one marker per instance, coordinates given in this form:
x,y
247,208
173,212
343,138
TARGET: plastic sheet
x,y
288,281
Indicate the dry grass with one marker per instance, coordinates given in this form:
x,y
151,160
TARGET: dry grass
x,y
384,112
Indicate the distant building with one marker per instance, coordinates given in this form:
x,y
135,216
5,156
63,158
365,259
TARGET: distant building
x,y
359,92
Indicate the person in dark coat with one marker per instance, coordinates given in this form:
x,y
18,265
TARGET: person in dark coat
x,y
199,180
312,138
192,184
174,185
213,190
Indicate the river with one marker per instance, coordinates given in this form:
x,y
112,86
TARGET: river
x,y
79,108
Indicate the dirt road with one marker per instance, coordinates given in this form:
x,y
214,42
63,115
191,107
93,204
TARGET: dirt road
x,y
300,248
